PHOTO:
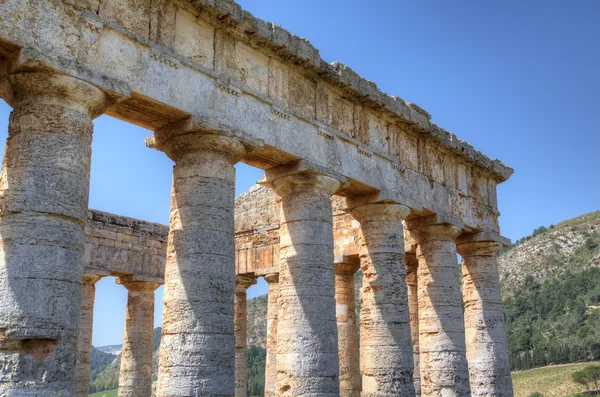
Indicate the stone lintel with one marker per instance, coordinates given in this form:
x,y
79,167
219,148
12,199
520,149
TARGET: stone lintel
x,y
435,219
482,237
94,271
136,278
381,197
299,168
27,60
266,272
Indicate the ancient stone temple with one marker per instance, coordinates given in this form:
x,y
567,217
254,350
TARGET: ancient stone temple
x,y
354,179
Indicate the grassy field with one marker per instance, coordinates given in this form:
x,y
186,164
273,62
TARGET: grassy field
x,y
552,381
107,393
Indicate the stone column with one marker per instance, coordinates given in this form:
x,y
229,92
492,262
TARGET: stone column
x,y
44,190
346,326
307,346
386,357
412,265
197,354
135,377
443,361
241,335
272,315
487,351
84,345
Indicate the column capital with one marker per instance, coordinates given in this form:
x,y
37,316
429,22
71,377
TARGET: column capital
x,y
302,176
242,283
434,227
478,248
346,265
133,284
49,88
272,278
411,261
380,212
90,279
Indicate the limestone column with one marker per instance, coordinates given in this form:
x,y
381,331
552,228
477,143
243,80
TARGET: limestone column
x,y
272,315
135,377
412,265
443,361
307,346
346,326
197,354
487,351
386,357
44,190
84,350
241,335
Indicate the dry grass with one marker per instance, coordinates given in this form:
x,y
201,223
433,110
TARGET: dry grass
x,y
553,381
107,393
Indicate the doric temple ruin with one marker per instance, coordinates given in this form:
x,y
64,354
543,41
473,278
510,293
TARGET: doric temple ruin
x,y
354,179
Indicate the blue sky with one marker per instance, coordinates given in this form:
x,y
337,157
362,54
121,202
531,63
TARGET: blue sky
x,y
519,80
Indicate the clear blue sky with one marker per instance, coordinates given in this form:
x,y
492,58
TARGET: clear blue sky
x,y
517,79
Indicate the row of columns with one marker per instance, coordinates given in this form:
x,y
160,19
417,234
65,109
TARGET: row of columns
x,y
455,354
135,376
45,186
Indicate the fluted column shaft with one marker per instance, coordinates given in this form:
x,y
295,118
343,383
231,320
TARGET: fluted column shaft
x,y
198,345
412,265
84,349
386,357
307,347
487,351
240,321
347,332
44,189
272,316
442,348
135,377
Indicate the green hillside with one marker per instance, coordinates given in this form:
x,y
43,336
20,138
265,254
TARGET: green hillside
x,y
107,393
552,381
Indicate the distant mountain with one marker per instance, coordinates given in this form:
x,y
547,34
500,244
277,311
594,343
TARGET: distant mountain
x,y
112,349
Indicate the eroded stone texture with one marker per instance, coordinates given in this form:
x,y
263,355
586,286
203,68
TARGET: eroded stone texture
x,y
487,351
135,377
443,362
272,316
44,195
412,265
198,347
307,347
346,326
386,358
241,335
84,345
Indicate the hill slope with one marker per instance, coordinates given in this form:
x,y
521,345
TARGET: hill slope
x,y
570,245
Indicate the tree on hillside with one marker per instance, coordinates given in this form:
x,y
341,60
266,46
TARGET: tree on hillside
x,y
588,377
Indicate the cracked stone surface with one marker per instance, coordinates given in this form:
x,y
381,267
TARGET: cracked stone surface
x,y
386,348
307,346
241,335
84,345
412,265
443,361
487,351
272,317
44,190
135,377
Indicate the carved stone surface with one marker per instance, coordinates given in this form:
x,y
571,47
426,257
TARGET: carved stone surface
x,y
84,344
487,351
346,326
240,327
136,357
307,346
386,357
198,347
412,265
272,317
443,361
44,188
